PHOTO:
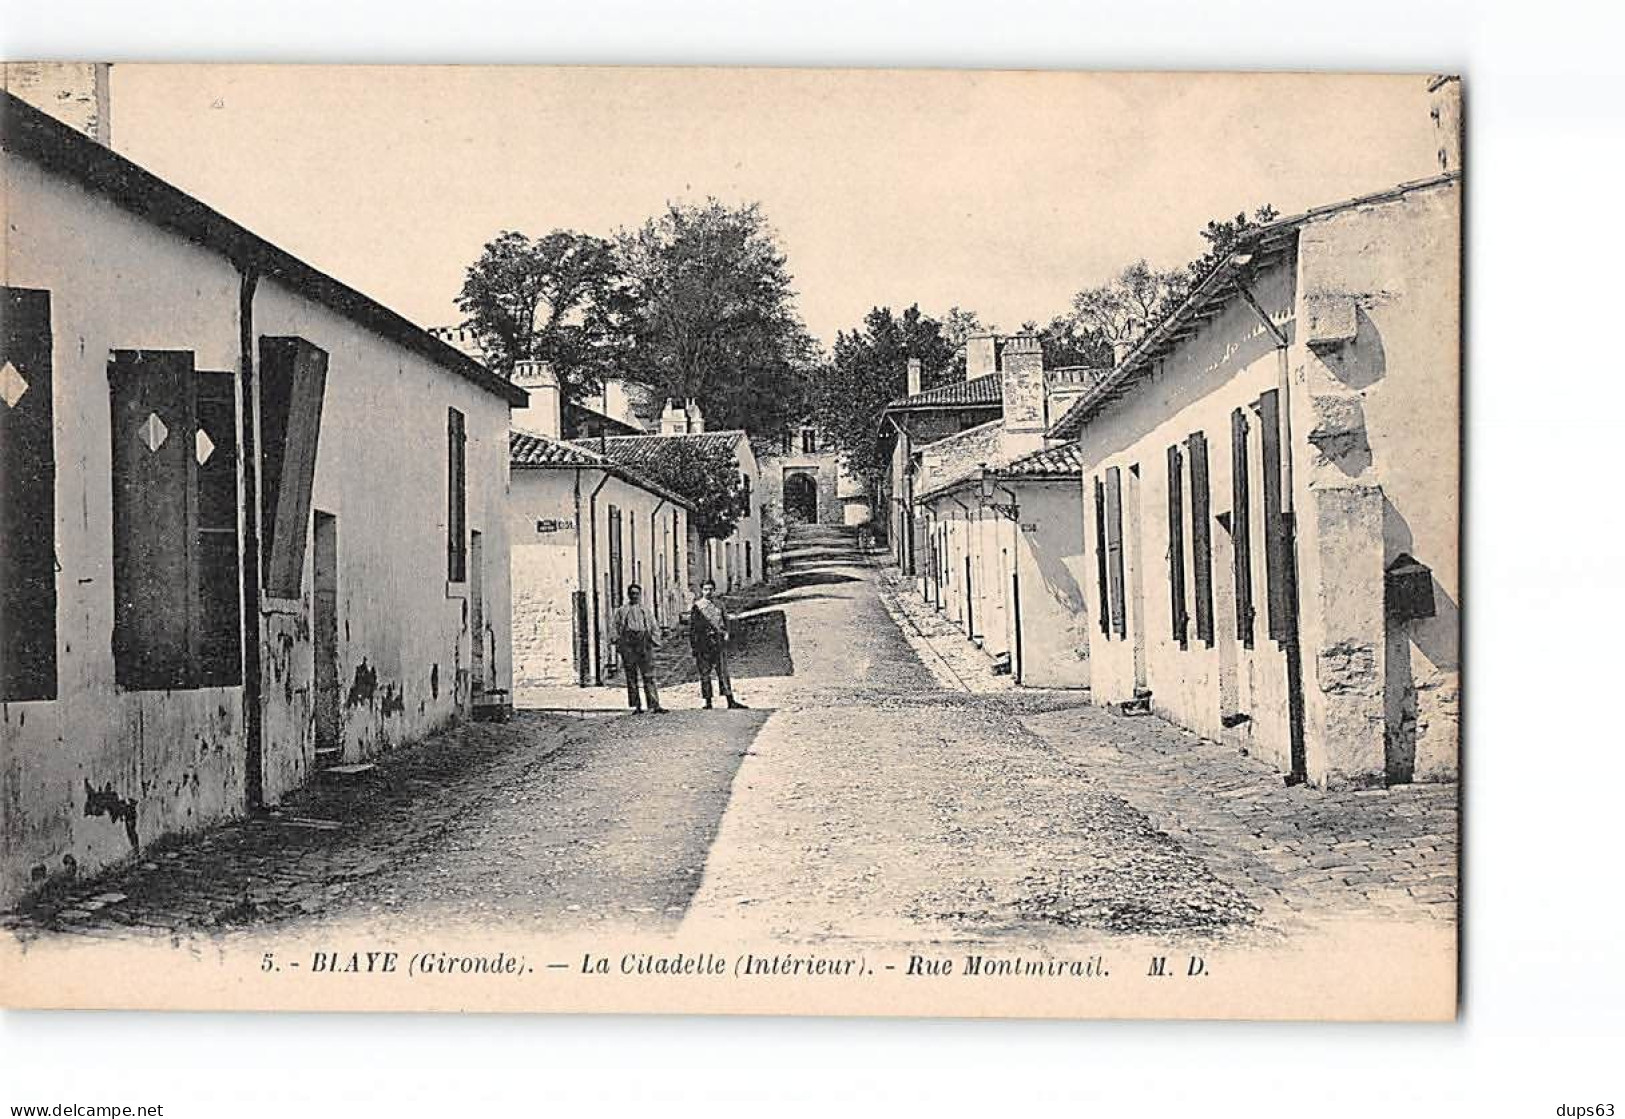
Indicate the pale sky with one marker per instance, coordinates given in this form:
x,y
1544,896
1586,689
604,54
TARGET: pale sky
x,y
1001,192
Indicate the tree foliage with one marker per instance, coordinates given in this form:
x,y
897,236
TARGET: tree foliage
x,y
715,315
707,476
868,371
1121,309
561,298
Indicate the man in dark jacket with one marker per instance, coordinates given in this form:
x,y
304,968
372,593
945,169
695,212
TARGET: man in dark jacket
x,y
708,637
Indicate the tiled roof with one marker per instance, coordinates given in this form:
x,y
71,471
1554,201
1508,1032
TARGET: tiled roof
x,y
1214,288
639,450
1065,461
527,450
979,392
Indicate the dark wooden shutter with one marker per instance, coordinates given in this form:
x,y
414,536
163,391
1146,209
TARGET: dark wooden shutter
x,y
1114,549
617,574
1275,546
293,379
456,497
1201,537
1100,559
1176,545
27,500
1241,526
219,632
154,518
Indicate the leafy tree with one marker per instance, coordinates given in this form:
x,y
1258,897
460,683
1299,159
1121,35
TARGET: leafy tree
x,y
869,370
1221,238
1121,309
715,315
707,476
1067,343
561,298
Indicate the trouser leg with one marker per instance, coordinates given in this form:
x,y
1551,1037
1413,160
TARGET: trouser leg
x,y
723,680
629,667
651,692
704,666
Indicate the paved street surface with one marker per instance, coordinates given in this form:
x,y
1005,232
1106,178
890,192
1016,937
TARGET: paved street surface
x,y
884,785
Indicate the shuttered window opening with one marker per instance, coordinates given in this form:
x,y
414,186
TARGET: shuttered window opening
x,y
1100,558
1241,526
27,499
177,619
1176,546
1201,537
456,497
1275,542
220,632
293,380
616,574
1114,549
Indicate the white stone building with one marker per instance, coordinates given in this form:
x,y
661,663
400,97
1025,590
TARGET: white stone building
x,y
224,567
584,528
1271,480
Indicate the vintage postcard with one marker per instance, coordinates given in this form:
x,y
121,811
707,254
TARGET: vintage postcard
x,y
730,541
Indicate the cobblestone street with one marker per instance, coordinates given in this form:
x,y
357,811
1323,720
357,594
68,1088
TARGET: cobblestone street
x,y
884,785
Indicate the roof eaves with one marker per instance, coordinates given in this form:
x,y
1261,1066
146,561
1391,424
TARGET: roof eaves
x,y
1212,285
49,143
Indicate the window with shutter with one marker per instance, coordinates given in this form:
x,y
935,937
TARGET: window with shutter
x,y
1100,559
220,627
1241,526
456,497
1201,537
154,518
1275,545
27,499
1176,545
293,378
1114,550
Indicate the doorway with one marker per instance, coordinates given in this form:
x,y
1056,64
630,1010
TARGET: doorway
x,y
325,635
1136,580
801,499
476,612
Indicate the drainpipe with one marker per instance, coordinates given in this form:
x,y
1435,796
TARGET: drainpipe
x,y
248,460
653,536
1292,647
597,639
970,599
1016,662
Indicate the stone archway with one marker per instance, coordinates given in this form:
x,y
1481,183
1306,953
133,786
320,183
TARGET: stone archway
x,y
801,498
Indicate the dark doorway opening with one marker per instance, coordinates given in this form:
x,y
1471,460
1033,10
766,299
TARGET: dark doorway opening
x,y
801,499
325,637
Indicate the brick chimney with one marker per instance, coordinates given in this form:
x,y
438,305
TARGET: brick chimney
x,y
541,415
696,418
914,376
673,420
1447,121
1022,384
981,355
75,93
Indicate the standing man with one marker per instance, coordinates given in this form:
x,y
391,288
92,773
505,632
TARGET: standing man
x,y
636,634
708,637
